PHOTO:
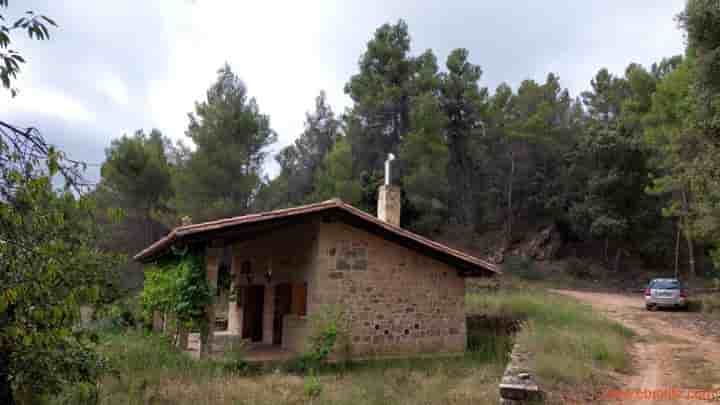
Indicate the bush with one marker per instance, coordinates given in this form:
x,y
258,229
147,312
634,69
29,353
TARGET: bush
x,y
82,393
578,268
312,386
234,360
709,303
522,267
328,332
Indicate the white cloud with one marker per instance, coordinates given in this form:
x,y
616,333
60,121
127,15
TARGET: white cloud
x,y
142,64
49,103
279,55
113,87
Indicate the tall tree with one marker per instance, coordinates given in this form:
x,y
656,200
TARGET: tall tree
x,y
381,93
136,174
425,155
223,175
300,161
701,20
674,141
461,100
335,177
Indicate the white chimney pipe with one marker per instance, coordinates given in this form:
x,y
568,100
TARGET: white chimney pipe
x,y
390,158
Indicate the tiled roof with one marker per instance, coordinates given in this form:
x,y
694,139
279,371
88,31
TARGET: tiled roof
x,y
182,232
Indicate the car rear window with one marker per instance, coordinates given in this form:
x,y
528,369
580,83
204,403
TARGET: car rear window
x,y
666,284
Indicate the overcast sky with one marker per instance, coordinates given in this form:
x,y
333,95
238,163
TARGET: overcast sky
x,y
116,66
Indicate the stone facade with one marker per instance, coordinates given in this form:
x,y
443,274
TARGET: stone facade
x,y
397,301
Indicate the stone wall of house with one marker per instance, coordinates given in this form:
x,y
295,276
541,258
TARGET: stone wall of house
x,y
295,332
290,252
397,300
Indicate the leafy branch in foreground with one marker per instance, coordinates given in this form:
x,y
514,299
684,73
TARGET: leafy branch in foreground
x,y
49,267
36,27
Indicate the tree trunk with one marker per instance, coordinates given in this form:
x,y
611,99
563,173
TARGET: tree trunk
x,y
618,255
182,336
509,223
677,250
461,202
688,235
607,251
6,393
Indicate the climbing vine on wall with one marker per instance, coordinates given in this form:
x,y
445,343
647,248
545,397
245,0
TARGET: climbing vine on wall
x,y
178,285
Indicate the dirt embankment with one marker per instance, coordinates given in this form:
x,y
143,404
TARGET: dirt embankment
x,y
672,349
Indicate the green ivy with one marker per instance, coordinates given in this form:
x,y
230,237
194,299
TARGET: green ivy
x,y
178,285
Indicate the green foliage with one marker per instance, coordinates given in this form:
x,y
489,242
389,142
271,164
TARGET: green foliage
x,y
328,335
50,268
335,177
312,386
522,267
461,101
382,92
300,161
121,314
577,268
136,171
700,173
223,175
425,155
35,26
178,286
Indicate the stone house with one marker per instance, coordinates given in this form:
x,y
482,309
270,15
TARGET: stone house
x,y
401,293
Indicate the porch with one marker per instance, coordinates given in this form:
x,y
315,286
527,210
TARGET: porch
x,y
262,284
224,343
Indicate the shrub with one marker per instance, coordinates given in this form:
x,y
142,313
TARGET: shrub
x,y
577,268
312,386
328,334
711,303
522,267
234,360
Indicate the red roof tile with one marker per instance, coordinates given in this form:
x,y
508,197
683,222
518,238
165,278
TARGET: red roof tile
x,y
180,233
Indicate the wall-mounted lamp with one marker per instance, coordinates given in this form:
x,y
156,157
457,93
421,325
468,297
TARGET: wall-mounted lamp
x,y
268,272
246,271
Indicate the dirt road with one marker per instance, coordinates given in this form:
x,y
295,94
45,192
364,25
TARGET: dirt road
x,y
672,349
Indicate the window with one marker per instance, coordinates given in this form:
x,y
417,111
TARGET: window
x,y
665,285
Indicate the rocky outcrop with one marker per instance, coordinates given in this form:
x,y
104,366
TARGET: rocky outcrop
x,y
545,245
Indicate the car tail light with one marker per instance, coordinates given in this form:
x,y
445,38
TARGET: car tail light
x,y
647,292
683,293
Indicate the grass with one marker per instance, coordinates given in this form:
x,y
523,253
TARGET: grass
x,y
150,371
708,303
570,344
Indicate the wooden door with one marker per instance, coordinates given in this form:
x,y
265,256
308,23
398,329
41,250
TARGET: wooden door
x,y
282,298
253,305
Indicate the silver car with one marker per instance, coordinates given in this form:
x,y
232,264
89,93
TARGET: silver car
x,y
665,292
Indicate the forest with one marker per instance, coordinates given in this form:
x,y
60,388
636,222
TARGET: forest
x,y
627,170
626,167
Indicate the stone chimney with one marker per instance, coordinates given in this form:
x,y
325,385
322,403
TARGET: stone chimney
x,y
389,198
